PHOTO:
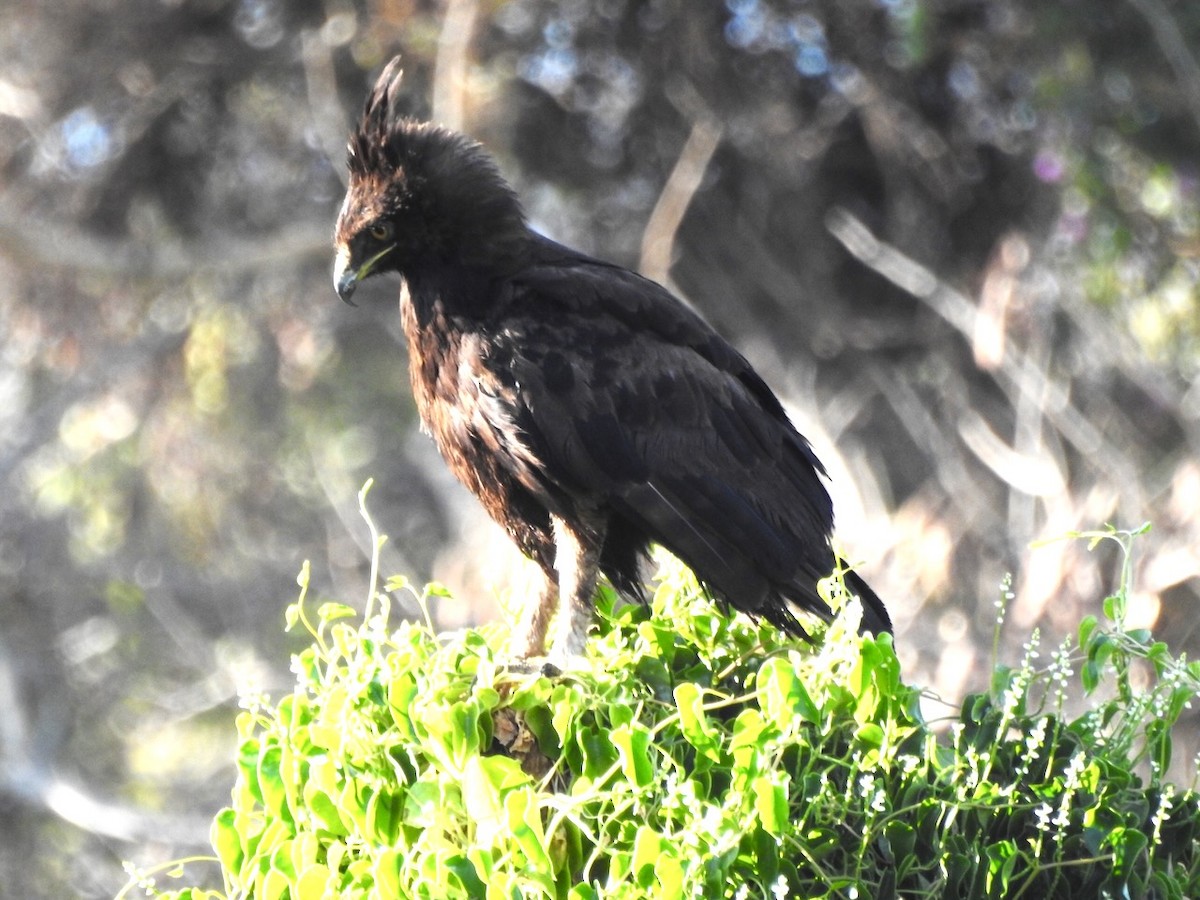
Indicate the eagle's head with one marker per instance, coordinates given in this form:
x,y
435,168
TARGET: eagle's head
x,y
420,197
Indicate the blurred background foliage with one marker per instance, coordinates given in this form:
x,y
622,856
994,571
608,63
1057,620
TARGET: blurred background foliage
x,y
959,237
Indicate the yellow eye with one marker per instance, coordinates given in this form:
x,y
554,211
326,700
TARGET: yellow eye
x,y
381,231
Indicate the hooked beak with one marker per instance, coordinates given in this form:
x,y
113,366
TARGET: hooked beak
x,y
346,275
345,278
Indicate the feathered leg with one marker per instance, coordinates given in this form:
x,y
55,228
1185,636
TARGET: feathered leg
x,y
567,591
577,559
529,634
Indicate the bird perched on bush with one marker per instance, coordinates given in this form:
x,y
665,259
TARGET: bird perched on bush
x,y
588,409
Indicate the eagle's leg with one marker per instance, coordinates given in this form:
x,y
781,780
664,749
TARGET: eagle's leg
x,y
577,558
529,634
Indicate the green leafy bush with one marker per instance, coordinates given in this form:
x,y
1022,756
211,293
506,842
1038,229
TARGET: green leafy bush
x,y
699,755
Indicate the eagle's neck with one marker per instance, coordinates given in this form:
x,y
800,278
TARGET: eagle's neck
x,y
442,311
446,305
440,297
433,339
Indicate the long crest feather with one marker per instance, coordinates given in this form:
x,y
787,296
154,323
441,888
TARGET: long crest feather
x,y
370,149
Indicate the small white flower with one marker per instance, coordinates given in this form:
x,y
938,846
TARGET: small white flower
x,y
1043,813
879,802
866,784
1036,737
1075,769
1163,812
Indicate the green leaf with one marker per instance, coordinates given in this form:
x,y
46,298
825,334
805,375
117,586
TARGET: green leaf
x,y
765,849
647,848
539,723
1159,743
694,722
423,803
320,788
870,735
1160,655
275,885
1127,845
781,694
281,860
670,876
901,840
1100,649
524,820
771,805
485,781
386,873
463,875
1086,628
352,806
402,691
598,750
1002,860
270,781
565,702
748,729
331,612
305,850
632,743
313,883
1114,608
227,841
384,814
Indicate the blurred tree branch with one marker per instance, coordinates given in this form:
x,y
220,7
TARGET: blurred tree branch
x,y
27,775
1024,376
108,367
324,104
658,238
1174,47
42,246
450,65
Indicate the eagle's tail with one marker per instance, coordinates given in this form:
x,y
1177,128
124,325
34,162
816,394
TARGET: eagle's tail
x,y
875,616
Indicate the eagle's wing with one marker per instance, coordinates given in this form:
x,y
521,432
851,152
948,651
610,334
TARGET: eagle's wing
x,y
625,395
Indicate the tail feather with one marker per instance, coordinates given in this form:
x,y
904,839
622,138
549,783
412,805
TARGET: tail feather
x,y
875,616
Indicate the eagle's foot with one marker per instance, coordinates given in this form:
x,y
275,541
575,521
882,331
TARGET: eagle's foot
x,y
552,665
528,665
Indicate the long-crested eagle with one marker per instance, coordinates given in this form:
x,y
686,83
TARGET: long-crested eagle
x,y
588,409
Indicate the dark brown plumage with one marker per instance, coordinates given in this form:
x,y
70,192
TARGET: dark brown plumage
x,y
589,410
